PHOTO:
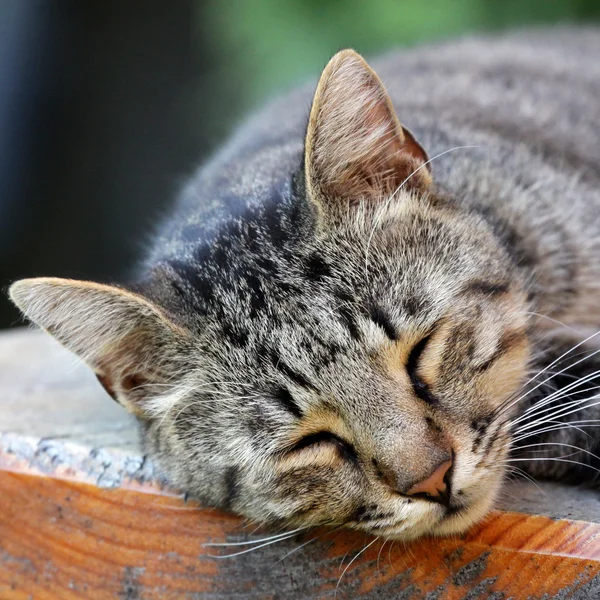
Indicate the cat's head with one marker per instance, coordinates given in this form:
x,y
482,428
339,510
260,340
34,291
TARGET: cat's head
x,y
346,355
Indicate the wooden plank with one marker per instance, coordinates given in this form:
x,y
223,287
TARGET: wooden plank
x,y
64,534
83,515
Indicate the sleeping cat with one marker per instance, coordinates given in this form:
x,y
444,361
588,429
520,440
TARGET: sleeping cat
x,y
352,317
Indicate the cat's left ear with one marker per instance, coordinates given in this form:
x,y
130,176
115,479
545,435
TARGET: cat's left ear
x,y
356,149
127,340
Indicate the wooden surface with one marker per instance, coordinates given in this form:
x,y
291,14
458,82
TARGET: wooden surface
x,y
83,515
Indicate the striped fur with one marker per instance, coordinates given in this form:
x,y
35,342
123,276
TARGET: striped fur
x,y
343,325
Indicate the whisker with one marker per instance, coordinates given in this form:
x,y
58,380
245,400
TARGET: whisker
x,y
544,370
306,544
380,551
249,542
298,548
562,392
348,552
351,562
536,314
520,472
220,556
577,448
545,423
541,415
557,459
567,409
578,425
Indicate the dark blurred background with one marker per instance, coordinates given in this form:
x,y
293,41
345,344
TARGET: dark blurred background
x,y
107,106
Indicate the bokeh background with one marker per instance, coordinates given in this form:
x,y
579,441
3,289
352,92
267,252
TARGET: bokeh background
x,y
106,106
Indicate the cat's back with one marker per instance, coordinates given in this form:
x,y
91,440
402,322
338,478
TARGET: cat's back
x,y
536,90
541,83
540,88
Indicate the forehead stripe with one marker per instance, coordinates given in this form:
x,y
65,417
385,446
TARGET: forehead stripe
x,y
299,379
287,401
382,319
488,288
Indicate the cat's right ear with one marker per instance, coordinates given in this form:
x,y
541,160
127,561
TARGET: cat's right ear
x,y
127,340
355,148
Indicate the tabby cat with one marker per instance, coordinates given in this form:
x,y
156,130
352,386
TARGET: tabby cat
x,y
334,328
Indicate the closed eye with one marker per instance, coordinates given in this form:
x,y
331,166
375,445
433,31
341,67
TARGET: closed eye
x,y
346,449
420,388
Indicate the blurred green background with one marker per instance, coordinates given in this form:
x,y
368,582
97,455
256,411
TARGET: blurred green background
x,y
268,45
107,106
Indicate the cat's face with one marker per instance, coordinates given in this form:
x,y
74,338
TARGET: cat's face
x,y
374,358
348,359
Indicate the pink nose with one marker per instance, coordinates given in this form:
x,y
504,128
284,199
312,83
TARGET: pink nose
x,y
434,486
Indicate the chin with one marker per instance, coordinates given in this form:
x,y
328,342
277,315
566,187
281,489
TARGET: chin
x,y
438,523
460,521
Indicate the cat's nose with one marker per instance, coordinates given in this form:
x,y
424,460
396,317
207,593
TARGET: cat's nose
x,y
436,486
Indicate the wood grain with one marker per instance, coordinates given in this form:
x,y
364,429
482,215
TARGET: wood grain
x,y
82,519
62,536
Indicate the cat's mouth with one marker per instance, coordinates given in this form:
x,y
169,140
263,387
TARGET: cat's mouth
x,y
458,519
452,520
427,525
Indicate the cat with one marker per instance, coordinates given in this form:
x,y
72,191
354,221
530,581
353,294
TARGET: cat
x,y
333,328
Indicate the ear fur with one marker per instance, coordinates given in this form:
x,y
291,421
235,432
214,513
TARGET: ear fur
x,y
355,147
126,339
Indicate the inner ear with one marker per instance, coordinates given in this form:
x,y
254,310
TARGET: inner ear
x,y
355,146
129,390
134,382
128,383
107,384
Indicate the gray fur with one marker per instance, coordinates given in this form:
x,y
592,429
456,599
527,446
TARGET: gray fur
x,y
296,315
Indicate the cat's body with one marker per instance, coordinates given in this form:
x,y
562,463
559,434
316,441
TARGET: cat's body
x,y
330,337
529,103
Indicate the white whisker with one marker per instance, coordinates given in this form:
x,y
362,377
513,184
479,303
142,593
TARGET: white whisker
x,y
351,562
520,472
544,370
537,415
281,539
559,425
300,547
248,542
536,314
567,410
552,458
562,392
577,448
